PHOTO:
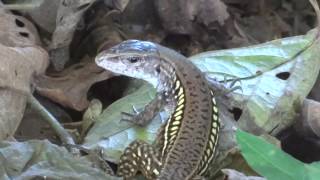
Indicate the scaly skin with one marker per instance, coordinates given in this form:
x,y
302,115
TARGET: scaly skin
x,y
187,143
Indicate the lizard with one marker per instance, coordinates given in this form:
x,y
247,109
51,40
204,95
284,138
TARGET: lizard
x,y
187,143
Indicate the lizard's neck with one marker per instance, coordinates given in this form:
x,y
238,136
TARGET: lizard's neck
x,y
166,78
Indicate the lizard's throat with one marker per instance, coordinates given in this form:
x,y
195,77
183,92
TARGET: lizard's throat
x,y
154,81
162,82
159,84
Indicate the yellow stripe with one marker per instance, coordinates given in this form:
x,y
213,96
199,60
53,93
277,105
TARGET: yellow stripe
x,y
213,140
215,117
177,113
177,85
181,96
180,92
180,107
178,118
172,134
175,123
174,128
215,109
165,143
181,101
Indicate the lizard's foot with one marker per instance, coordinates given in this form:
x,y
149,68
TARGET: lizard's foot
x,y
232,86
143,117
221,87
137,117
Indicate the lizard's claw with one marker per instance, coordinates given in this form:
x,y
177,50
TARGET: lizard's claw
x,y
138,117
131,117
136,111
222,87
232,86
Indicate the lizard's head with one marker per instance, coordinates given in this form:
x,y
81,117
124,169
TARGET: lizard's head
x,y
134,58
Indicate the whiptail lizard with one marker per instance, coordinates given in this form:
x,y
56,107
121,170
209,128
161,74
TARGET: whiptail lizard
x,y
187,142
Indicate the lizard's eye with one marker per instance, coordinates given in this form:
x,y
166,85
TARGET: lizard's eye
x,y
133,59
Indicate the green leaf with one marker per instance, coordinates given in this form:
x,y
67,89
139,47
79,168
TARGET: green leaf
x,y
114,135
313,170
282,72
268,160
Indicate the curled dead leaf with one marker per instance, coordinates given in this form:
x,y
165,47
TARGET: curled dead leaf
x,y
179,16
21,60
68,18
235,175
17,31
308,125
65,88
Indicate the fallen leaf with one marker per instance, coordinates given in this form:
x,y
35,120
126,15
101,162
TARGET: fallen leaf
x,y
113,134
178,16
45,14
117,4
278,75
17,31
90,116
235,175
41,159
65,89
68,18
21,60
308,125
211,11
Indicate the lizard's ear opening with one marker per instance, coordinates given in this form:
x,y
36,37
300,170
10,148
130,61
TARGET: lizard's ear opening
x,y
158,69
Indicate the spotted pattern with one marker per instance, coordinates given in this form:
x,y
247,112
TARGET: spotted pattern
x,y
213,139
143,157
139,155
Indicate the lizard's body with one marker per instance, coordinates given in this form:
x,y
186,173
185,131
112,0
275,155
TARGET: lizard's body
x,y
188,141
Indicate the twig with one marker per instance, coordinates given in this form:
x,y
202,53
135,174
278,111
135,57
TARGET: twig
x,y
64,136
20,6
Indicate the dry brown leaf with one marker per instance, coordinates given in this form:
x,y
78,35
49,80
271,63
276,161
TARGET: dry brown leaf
x,y
211,11
21,59
308,125
68,18
45,15
235,175
65,88
117,4
12,108
99,38
178,16
17,31
314,94
19,64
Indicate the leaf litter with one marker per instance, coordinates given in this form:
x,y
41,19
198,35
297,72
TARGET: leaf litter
x,y
275,76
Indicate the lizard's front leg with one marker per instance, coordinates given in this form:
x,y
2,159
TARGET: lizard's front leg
x,y
148,113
